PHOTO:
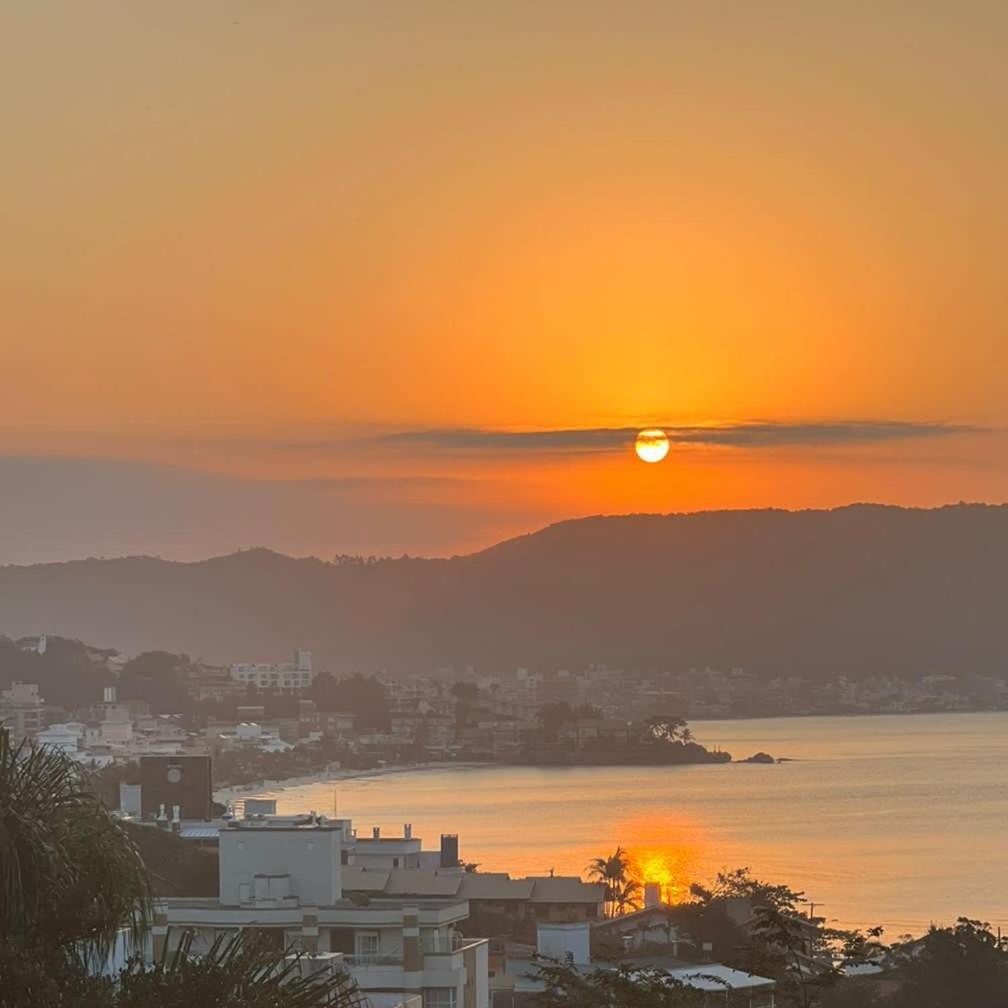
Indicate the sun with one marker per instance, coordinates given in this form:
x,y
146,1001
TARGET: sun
x,y
652,445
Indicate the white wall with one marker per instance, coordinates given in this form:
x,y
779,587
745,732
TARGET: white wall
x,y
310,856
560,941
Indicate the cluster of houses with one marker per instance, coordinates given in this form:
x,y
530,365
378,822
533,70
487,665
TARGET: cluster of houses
x,y
111,730
432,715
125,729
403,920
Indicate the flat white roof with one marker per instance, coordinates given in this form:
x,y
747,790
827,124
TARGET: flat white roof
x,y
715,977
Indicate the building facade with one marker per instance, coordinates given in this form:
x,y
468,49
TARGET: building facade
x,y
295,881
22,711
288,676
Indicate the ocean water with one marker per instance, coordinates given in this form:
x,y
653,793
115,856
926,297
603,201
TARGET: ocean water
x,y
895,820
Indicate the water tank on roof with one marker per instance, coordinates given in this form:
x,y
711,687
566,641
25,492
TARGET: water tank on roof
x,y
449,850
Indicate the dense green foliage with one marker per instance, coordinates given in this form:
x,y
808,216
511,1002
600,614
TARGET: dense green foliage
x,y
65,673
235,973
362,696
624,986
177,867
156,678
955,966
70,878
72,884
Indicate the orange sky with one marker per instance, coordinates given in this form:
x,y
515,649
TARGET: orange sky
x,y
255,239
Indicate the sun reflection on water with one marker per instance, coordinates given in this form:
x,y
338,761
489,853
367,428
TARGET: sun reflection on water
x,y
664,851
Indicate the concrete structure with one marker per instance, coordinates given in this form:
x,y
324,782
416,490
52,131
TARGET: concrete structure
x,y
130,799
564,943
635,932
296,880
296,675
389,852
66,737
185,781
22,711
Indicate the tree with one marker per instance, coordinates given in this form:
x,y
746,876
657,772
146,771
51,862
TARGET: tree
x,y
552,717
781,943
794,953
612,872
237,972
740,884
71,881
65,673
156,677
858,947
176,867
362,696
954,966
626,896
666,728
625,987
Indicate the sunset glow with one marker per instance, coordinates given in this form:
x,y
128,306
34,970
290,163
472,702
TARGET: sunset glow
x,y
665,850
257,291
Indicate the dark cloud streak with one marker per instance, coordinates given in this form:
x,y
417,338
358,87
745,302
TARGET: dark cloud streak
x,y
755,434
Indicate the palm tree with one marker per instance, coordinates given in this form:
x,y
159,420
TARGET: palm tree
x,y
627,896
70,878
611,871
71,881
236,971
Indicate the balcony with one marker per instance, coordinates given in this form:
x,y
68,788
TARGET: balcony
x,y
376,972
446,946
367,961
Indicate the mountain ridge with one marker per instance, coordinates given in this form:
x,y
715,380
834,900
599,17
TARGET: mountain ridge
x,y
862,588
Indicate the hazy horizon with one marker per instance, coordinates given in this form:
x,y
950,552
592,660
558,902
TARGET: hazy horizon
x,y
157,520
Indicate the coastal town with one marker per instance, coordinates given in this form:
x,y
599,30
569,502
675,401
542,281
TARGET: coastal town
x,y
380,919
406,919
177,750
274,720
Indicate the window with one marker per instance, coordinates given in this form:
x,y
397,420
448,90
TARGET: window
x,y
366,943
439,997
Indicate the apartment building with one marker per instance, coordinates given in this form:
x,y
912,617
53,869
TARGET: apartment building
x,y
296,881
22,711
290,676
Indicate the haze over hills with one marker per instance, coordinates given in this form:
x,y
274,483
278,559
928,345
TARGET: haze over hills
x,y
859,589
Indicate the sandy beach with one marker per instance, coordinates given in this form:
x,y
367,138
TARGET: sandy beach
x,y
256,788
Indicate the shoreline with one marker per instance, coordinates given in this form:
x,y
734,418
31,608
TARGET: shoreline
x,y
257,788
846,714
239,791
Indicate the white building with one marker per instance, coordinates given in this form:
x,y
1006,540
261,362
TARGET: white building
x,y
296,879
66,737
295,675
22,710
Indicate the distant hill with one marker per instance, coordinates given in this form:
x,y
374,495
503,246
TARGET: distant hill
x,y
861,588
